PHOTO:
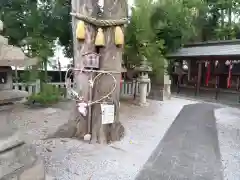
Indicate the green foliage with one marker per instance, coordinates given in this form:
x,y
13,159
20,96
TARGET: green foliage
x,y
29,75
173,22
49,95
34,25
156,28
63,25
219,20
141,39
159,27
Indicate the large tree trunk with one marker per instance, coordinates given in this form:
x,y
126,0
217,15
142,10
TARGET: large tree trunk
x,y
88,8
77,125
111,60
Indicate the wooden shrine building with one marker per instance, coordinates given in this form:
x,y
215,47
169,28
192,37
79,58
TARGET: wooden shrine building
x,y
212,66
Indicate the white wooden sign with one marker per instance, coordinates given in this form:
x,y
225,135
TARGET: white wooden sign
x,y
108,112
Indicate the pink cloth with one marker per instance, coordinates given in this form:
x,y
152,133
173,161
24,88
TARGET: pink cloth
x,y
82,108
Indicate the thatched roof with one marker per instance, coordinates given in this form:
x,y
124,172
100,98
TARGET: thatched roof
x,y
14,56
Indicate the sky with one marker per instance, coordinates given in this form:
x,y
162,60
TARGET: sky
x,y
130,2
59,52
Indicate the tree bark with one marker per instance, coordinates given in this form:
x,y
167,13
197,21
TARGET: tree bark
x,y
222,23
111,60
88,8
77,125
230,20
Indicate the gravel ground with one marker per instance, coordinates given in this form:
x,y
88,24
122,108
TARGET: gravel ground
x,y
228,124
69,159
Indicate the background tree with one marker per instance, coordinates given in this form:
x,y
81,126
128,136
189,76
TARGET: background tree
x,y
34,25
163,27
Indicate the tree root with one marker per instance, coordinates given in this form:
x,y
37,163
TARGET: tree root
x,y
73,128
67,130
76,127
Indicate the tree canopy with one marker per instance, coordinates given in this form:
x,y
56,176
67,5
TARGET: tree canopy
x,y
34,25
159,27
156,27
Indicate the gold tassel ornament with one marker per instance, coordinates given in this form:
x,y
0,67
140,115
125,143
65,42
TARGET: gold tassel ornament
x,y
119,36
100,40
80,31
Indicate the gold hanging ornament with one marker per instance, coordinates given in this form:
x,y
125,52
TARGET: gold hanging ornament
x,y
100,41
119,36
80,31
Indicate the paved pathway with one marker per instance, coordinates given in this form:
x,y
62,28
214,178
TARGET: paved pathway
x,y
189,150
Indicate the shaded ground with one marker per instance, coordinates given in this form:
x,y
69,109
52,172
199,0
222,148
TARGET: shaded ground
x,y
189,150
231,99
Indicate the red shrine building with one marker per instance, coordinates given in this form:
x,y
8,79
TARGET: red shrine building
x,y
212,66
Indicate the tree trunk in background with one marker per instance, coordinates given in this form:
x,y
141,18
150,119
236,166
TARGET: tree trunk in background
x,y
230,20
88,8
60,71
111,60
16,74
222,23
45,70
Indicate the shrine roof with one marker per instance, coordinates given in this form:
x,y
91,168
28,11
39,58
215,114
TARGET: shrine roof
x,y
14,56
229,49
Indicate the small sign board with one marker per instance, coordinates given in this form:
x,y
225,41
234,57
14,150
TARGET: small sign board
x,y
108,113
91,60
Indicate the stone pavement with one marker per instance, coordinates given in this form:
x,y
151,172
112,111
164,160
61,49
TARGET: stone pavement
x,y
189,150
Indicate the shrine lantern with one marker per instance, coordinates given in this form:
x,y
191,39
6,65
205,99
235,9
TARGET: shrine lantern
x,y
143,80
144,68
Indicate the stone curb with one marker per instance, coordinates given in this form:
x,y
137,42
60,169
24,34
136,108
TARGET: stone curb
x,y
10,142
21,163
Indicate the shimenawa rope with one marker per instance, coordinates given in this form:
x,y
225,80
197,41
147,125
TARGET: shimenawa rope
x,y
100,22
